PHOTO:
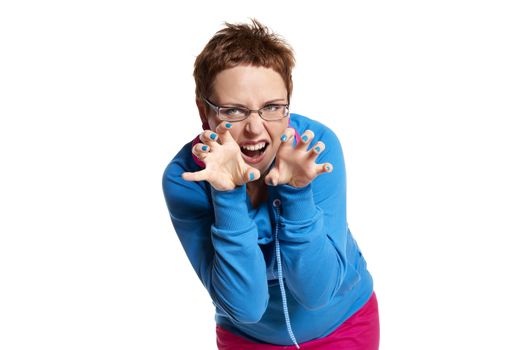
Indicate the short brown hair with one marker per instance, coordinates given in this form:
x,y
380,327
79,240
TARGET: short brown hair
x,y
248,44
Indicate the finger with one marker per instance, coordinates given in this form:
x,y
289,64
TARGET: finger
x,y
196,176
223,131
200,150
315,151
209,137
223,126
251,174
271,179
305,140
286,137
323,168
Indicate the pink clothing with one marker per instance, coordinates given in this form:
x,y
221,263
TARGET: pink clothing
x,y
361,331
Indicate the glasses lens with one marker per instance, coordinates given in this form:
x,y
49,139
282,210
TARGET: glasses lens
x,y
233,113
274,112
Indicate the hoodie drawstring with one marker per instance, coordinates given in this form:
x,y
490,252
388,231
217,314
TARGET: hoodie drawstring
x,y
277,204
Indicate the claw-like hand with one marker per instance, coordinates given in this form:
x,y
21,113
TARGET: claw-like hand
x,y
224,166
296,166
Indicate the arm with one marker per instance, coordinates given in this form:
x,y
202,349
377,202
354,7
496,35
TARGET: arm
x,y
314,232
220,241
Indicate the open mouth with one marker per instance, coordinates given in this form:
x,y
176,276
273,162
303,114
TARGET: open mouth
x,y
255,151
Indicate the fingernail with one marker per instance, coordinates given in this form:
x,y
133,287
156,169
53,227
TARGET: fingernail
x,y
305,138
317,148
228,125
205,147
251,176
328,167
213,136
283,138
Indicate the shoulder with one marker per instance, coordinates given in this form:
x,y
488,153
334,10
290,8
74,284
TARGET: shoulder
x,y
183,161
178,192
321,132
302,123
333,153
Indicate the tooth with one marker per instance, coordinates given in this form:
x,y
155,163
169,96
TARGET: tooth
x,y
254,147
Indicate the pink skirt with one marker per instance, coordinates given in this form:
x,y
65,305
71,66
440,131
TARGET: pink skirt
x,y
361,331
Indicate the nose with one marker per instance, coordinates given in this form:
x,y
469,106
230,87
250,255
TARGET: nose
x,y
254,124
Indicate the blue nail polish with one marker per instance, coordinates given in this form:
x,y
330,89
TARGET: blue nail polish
x,y
317,149
228,125
213,136
283,138
205,147
251,176
305,138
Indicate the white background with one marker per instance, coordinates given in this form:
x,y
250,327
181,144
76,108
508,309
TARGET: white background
x,y
97,96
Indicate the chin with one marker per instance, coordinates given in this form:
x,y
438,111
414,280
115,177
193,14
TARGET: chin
x,y
264,169
263,163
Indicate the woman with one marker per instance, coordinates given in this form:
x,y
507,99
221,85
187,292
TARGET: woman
x,y
260,208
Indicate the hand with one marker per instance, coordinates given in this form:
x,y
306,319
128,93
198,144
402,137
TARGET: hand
x,y
224,166
297,166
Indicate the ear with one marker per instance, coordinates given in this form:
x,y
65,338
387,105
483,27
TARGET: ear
x,y
203,113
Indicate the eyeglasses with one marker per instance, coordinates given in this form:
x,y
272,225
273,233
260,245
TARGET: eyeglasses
x,y
269,112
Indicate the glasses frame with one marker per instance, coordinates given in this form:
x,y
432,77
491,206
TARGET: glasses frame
x,y
218,108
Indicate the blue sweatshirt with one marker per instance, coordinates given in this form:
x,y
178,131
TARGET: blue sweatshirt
x,y
234,249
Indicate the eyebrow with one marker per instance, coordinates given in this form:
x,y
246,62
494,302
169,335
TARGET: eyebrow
x,y
244,106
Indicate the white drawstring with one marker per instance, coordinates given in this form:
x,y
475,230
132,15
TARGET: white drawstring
x,y
277,203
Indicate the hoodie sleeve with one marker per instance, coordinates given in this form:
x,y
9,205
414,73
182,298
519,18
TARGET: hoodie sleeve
x,y
314,232
220,240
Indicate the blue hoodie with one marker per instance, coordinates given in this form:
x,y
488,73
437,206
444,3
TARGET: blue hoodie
x,y
286,271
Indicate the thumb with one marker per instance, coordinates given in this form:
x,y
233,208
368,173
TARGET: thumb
x,y
251,174
196,176
271,179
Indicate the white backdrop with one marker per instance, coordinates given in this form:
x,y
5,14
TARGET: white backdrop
x,y
97,96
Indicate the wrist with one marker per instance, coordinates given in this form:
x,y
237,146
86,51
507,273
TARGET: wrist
x,y
297,202
229,206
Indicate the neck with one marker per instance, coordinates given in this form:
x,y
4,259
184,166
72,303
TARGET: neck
x,y
257,191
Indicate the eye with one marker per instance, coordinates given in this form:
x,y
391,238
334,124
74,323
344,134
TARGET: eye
x,y
272,108
233,112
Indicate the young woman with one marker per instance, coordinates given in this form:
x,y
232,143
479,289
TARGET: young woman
x,y
258,201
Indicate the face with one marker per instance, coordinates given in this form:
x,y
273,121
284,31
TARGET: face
x,y
253,88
